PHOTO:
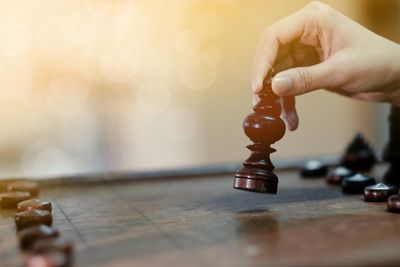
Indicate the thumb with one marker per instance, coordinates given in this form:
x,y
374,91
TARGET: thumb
x,y
301,80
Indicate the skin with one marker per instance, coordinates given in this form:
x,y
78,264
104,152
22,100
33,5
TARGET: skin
x,y
318,47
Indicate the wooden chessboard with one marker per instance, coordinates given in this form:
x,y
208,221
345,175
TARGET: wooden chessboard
x,y
202,221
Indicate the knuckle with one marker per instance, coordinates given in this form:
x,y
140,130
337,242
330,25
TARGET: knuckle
x,y
267,32
304,81
317,6
312,5
319,10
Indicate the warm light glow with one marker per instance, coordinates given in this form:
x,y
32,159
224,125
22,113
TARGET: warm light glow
x,y
69,91
84,28
209,25
44,158
153,97
198,72
98,8
244,56
187,42
55,35
118,65
15,81
15,39
99,76
214,52
179,124
85,140
67,96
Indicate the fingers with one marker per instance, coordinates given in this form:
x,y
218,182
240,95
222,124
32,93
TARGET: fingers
x,y
297,81
273,39
255,99
371,96
289,112
284,63
305,55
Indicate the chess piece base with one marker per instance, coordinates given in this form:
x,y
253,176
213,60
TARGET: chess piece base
x,y
256,180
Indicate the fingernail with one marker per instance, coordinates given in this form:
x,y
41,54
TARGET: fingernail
x,y
292,120
282,85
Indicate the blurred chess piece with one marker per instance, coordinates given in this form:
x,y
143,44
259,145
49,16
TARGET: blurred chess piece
x,y
392,150
263,127
359,154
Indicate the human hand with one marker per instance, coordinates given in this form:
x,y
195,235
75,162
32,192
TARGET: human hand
x,y
318,47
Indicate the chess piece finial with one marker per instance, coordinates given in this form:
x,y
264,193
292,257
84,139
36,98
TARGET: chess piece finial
x,y
263,127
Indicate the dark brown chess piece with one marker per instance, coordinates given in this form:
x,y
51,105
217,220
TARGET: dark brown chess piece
x,y
263,127
359,154
392,151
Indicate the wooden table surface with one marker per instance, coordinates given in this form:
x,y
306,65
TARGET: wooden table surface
x,y
204,222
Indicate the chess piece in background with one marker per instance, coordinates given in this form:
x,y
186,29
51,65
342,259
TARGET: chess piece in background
x,y
359,154
392,151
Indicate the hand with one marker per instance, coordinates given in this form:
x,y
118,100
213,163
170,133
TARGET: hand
x,y
318,47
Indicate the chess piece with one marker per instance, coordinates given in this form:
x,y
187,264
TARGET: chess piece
x,y
34,204
392,151
263,127
27,237
314,168
24,186
27,218
55,245
379,192
336,176
359,155
393,203
48,259
10,200
356,183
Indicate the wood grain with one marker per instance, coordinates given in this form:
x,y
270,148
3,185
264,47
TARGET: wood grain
x,y
204,222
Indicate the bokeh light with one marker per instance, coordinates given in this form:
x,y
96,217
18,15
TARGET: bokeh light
x,y
67,96
118,65
153,97
44,158
69,90
83,27
16,81
55,35
214,52
15,39
198,72
209,24
98,8
187,42
92,77
244,55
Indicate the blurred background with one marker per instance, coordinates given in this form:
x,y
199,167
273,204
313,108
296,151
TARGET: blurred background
x,y
145,85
